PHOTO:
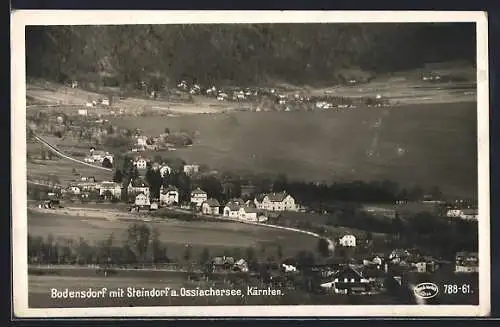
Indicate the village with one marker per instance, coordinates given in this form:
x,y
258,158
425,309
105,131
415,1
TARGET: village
x,y
153,187
152,191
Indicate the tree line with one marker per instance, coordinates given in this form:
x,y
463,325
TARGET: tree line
x,y
239,53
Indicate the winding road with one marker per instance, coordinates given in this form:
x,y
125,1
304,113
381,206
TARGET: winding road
x,y
65,156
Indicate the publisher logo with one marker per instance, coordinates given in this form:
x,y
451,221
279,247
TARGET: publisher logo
x,y
426,290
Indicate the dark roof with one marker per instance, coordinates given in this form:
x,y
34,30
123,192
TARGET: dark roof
x,y
249,209
347,269
467,254
170,188
277,197
139,182
470,211
198,191
212,203
238,201
233,206
260,197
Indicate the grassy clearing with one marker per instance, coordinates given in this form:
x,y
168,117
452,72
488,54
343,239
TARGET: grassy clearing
x,y
217,236
428,145
63,170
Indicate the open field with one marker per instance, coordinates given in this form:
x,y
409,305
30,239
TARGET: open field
x,y
429,145
63,170
217,236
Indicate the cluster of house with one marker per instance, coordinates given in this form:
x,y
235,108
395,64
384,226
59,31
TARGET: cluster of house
x,y
220,94
98,156
365,278
463,213
88,185
370,276
145,143
467,262
235,208
141,163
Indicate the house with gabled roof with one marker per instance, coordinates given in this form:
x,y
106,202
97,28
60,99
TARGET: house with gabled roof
x,y
138,185
169,195
346,281
232,209
110,188
248,213
281,201
198,196
210,207
142,200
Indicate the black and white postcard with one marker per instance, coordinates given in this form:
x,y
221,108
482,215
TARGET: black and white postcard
x,y
250,164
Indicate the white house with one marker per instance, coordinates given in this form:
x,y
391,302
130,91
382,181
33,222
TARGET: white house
x,y
241,265
469,214
165,170
73,189
231,209
142,200
466,262
169,195
210,207
276,202
348,240
137,186
83,112
191,169
140,163
115,189
142,141
198,196
248,213
105,102
466,214
288,268
222,96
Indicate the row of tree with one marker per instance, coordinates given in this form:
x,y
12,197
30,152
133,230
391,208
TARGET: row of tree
x,y
224,186
238,53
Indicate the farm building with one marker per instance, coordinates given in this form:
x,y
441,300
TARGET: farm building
x,y
210,207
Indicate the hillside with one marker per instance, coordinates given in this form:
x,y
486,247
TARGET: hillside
x,y
312,54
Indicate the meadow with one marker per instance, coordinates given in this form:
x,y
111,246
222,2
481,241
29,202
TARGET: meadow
x,y
218,237
429,145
